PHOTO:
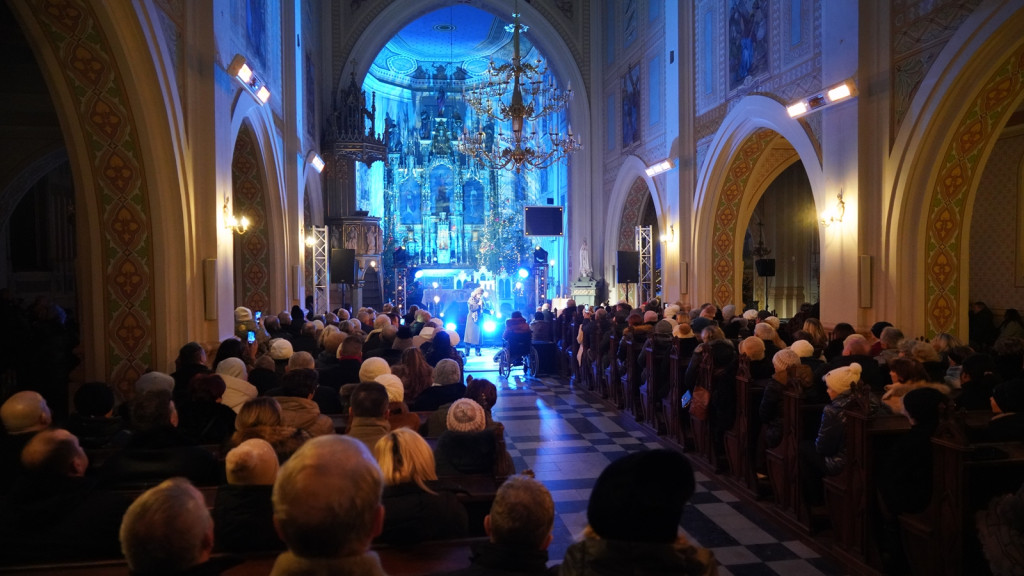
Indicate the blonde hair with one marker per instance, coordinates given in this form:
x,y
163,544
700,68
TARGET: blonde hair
x,y
260,411
404,456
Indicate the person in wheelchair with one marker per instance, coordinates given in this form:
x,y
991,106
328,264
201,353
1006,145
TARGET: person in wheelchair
x,y
516,344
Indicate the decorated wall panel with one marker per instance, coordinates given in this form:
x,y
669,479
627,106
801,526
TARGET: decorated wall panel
x,y
252,249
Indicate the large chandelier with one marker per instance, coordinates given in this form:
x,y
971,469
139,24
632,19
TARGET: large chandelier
x,y
516,92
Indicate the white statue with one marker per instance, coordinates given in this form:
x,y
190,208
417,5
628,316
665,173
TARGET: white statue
x,y
586,271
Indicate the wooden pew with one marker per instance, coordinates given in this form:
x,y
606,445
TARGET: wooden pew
x,y
703,444
671,405
738,439
630,381
423,558
612,380
943,539
799,421
654,416
597,359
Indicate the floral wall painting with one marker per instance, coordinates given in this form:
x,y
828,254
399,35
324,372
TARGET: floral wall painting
x,y
631,107
748,40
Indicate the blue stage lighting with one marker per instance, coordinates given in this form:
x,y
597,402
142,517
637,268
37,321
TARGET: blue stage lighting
x,y
450,326
523,272
490,326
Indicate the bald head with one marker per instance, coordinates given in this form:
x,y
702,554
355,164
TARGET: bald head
x,y
55,453
25,412
327,498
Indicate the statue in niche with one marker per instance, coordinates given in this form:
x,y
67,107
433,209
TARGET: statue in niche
x,y
351,241
586,271
393,134
371,239
442,205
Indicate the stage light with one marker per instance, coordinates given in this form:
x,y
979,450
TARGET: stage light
x,y
418,274
450,326
437,299
441,315
490,326
497,314
552,262
435,287
519,285
523,273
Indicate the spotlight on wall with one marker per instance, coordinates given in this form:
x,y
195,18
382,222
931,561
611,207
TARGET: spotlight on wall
x,y
237,224
314,160
834,214
253,83
660,167
670,236
842,91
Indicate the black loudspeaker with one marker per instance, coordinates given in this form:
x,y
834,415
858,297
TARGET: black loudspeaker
x,y
540,256
765,267
343,266
627,268
400,258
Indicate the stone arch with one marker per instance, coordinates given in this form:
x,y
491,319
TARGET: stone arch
x,y
632,190
946,147
79,55
756,142
582,211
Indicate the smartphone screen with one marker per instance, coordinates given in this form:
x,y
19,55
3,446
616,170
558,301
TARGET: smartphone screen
x,y
258,315
252,336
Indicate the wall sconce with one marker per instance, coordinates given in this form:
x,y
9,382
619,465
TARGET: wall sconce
x,y
670,236
835,214
310,239
248,77
314,160
233,222
660,167
842,91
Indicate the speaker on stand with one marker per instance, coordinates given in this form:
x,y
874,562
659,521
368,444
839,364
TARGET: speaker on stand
x,y
627,268
766,269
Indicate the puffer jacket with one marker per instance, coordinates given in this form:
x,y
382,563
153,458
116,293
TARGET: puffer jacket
x,y
596,557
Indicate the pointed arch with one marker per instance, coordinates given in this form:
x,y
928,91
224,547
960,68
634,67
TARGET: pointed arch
x,y
940,154
757,141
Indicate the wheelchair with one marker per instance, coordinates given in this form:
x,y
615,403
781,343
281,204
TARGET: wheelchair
x,y
518,352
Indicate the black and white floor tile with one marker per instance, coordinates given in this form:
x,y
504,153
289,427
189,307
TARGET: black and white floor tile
x,y
567,437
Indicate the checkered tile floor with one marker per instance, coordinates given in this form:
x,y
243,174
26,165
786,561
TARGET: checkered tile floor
x,y
567,437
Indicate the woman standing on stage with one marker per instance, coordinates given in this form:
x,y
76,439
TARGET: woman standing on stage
x,y
474,319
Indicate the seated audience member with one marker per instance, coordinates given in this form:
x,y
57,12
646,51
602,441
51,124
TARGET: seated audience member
x,y
770,336
415,373
191,360
417,507
856,350
204,419
442,349
466,447
956,356
264,374
262,418
760,362
633,520
243,514
386,349
905,478
518,530
933,364
907,374
280,352
325,397
374,336
305,340
55,511
232,348
889,345
297,406
517,327
168,530
399,415
660,344
157,451
368,413
237,390
1007,424
808,354
826,454
94,422
540,328
424,339
787,365
327,359
835,345
977,381
447,387
327,509
350,360
484,392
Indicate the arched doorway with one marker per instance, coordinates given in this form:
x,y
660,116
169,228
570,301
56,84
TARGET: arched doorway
x,y
638,209
781,251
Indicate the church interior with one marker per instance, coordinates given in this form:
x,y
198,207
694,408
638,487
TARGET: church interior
x,y
166,162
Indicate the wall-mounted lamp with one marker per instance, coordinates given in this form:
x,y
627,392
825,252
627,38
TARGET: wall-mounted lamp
x,y
314,160
233,222
310,239
241,70
834,214
659,167
670,236
842,91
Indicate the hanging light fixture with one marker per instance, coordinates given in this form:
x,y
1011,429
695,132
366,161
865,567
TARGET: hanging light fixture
x,y
516,93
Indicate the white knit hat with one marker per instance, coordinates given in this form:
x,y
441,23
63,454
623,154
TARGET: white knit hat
x,y
281,349
393,384
840,379
466,415
251,463
373,367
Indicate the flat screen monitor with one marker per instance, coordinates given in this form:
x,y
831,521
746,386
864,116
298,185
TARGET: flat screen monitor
x,y
542,220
